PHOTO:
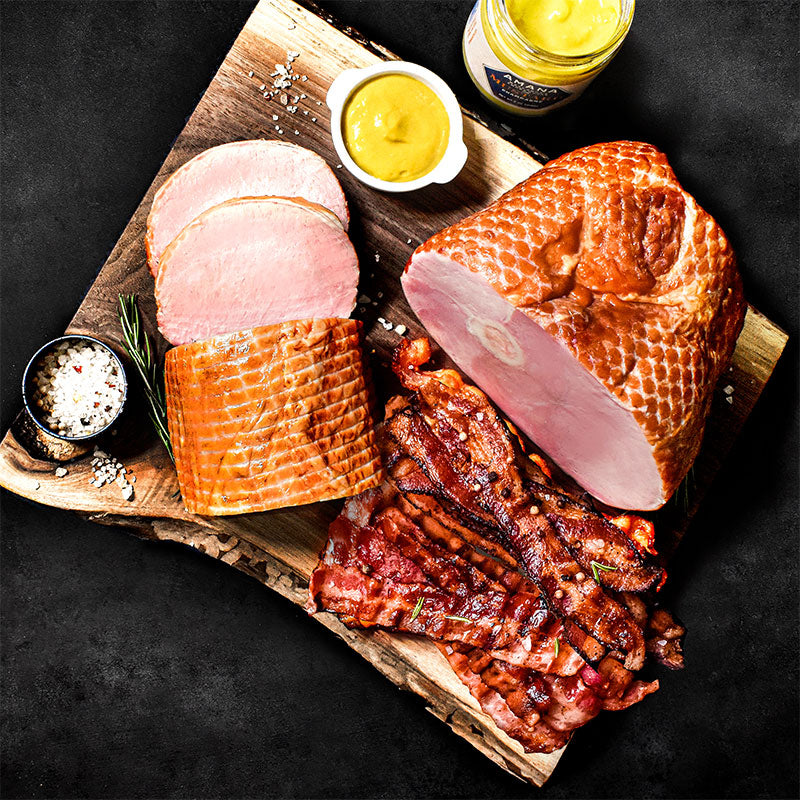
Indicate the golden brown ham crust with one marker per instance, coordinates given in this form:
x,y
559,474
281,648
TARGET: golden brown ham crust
x,y
275,416
607,252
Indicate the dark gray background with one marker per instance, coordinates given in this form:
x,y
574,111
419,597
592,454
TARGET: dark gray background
x,y
146,670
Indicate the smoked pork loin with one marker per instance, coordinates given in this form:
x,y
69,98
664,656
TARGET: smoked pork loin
x,y
597,304
272,417
255,261
254,168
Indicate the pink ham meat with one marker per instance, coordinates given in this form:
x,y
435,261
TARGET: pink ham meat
x,y
597,304
254,261
256,168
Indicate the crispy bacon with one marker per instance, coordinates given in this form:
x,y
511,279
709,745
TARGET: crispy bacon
x,y
458,475
538,602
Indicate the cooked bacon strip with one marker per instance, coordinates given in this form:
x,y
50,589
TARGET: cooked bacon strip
x,y
439,550
528,730
541,710
568,588
372,575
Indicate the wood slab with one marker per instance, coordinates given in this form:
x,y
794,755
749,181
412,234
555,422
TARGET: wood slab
x,y
280,548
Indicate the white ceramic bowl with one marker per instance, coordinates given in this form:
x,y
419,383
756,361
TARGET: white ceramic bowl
x,y
455,155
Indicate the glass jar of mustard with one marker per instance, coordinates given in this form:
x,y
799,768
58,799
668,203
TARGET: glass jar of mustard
x,y
525,55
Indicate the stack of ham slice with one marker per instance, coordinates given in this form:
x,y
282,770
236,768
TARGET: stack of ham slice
x,y
540,604
268,396
597,304
253,168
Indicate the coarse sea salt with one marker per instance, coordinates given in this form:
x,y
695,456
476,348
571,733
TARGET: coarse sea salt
x,y
78,388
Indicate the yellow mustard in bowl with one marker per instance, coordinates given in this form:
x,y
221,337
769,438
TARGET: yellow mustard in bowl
x,y
395,127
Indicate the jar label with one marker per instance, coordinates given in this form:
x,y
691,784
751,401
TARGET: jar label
x,y
507,89
519,92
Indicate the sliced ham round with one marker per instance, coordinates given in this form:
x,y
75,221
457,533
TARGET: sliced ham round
x,y
255,168
597,304
254,261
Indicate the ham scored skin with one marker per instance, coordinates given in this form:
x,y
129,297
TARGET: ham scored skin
x,y
597,304
276,416
255,261
253,168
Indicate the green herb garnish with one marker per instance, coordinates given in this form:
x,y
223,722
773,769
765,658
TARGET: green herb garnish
x,y
459,619
137,346
596,566
556,646
417,609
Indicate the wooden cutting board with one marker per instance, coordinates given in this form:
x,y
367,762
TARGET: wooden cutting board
x,y
280,548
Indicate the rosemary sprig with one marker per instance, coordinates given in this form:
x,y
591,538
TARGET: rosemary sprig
x,y
458,619
417,608
137,346
596,565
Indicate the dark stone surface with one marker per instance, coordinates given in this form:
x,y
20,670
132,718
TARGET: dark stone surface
x,y
143,670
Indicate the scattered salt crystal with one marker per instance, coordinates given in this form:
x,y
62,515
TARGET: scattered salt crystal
x,y
377,256
132,479
127,492
729,399
37,485
381,320
61,472
313,119
400,330
284,99
462,436
304,78
408,241
296,133
338,166
479,416
250,74
275,117
263,86
728,389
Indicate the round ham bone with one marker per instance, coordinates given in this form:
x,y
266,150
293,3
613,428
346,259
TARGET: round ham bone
x,y
255,261
253,168
597,304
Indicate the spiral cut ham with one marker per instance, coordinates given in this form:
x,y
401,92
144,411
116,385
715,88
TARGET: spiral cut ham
x,y
275,416
597,304
541,605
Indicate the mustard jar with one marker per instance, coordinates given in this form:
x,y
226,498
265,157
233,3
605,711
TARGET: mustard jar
x,y
531,56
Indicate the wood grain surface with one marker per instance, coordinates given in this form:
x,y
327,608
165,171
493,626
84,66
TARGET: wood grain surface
x,y
279,548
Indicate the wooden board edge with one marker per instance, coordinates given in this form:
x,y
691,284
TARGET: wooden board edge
x,y
380,649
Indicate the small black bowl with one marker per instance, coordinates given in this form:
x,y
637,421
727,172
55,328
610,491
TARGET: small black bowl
x,y
34,411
